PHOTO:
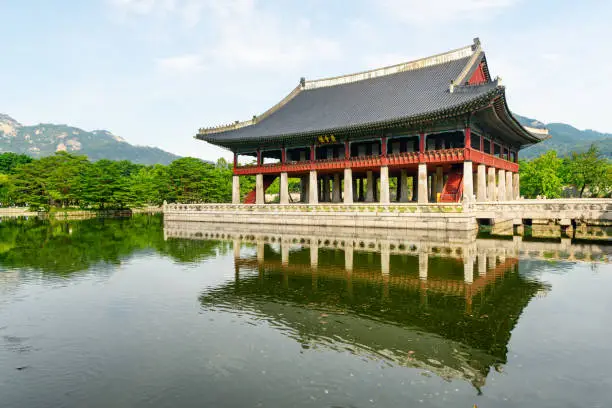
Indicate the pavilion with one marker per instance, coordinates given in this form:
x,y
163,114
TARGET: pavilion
x,y
440,125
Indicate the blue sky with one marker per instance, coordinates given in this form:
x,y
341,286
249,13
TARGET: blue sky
x,y
153,71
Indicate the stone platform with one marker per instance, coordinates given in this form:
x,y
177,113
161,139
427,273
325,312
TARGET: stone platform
x,y
566,213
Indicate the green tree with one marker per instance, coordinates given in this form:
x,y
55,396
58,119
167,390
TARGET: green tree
x,y
588,171
9,162
540,177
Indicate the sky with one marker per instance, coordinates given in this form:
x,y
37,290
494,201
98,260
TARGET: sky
x,y
154,71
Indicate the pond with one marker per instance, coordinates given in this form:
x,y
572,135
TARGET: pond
x,y
132,313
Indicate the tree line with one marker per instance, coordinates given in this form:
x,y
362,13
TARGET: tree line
x,y
67,180
587,174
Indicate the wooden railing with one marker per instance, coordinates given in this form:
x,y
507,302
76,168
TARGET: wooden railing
x,y
393,160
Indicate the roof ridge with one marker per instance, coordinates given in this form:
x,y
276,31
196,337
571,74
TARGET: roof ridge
x,y
420,63
256,118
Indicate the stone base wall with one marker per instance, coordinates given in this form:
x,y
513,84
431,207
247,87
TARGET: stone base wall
x,y
17,212
437,218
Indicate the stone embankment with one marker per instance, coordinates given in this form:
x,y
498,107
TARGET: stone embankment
x,y
15,212
567,214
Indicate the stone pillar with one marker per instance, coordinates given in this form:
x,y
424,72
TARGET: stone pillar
x,y
285,253
348,257
336,189
482,184
236,190
516,186
432,188
375,186
304,181
439,182
261,246
482,264
501,185
468,269
370,187
348,186
492,259
423,264
491,191
403,183
361,192
284,188
384,185
468,187
237,248
325,196
259,190
509,196
385,257
422,195
313,190
314,252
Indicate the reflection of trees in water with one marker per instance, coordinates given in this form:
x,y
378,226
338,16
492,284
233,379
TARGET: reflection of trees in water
x,y
70,246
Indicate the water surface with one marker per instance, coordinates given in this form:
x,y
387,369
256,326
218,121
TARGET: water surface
x,y
117,313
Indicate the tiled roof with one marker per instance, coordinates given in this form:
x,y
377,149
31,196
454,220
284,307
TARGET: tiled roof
x,y
386,95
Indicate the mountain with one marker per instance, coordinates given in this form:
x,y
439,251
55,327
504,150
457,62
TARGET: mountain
x,y
565,139
45,139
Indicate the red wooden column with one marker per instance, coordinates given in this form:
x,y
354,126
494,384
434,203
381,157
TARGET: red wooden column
x,y
235,160
312,153
467,137
421,147
258,157
283,155
347,150
383,150
467,141
491,147
481,143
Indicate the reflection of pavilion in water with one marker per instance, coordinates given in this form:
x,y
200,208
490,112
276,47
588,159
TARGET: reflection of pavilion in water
x,y
446,309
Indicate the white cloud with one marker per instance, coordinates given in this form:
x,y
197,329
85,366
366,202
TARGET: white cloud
x,y
143,7
181,64
247,36
440,11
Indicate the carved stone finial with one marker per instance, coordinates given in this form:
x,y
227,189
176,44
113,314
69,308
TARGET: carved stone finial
x,y
476,43
451,88
302,82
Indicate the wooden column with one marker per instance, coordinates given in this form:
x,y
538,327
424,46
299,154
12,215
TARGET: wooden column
x,y
467,139
259,157
383,146
422,143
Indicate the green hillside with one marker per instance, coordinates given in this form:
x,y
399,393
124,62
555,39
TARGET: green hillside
x,y
45,139
565,139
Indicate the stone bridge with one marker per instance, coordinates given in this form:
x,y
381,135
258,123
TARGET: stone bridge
x,y
561,210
